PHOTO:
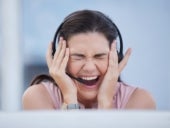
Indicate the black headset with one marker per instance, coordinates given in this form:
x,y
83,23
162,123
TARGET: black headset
x,y
120,52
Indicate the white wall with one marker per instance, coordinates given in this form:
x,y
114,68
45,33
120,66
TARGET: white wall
x,y
11,64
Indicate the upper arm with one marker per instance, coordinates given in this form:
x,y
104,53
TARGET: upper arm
x,y
36,97
141,99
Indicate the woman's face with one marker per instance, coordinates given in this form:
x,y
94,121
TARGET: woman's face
x,y
88,60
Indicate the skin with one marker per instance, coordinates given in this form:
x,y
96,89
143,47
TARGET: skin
x,y
87,56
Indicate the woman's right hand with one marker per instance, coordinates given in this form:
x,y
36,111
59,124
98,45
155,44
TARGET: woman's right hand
x,y
57,69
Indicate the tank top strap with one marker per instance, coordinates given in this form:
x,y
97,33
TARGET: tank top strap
x,y
54,92
123,94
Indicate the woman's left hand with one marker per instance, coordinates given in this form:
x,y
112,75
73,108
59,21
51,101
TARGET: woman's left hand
x,y
108,86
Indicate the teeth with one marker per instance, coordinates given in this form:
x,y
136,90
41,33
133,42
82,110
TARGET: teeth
x,y
89,78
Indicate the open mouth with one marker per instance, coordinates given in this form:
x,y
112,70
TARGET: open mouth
x,y
89,81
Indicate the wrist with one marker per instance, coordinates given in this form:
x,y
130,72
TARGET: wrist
x,y
105,103
70,99
70,106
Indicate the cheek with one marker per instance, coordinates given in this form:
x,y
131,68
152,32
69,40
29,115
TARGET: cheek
x,y
102,66
73,68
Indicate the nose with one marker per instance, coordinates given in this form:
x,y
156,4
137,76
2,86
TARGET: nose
x,y
89,66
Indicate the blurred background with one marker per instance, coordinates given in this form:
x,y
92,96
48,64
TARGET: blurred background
x,y
27,27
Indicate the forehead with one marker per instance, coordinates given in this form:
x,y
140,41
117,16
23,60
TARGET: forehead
x,y
87,41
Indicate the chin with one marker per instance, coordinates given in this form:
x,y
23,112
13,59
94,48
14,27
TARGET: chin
x,y
91,96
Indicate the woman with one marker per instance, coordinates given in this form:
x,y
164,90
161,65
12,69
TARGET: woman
x,y
85,69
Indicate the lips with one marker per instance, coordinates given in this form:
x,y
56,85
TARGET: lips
x,y
89,81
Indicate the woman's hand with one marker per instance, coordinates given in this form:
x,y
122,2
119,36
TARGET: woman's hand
x,y
57,69
108,85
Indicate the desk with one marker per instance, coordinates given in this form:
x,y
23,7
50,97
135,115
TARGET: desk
x,y
85,119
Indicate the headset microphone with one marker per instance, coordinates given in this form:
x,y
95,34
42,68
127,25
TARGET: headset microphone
x,y
78,79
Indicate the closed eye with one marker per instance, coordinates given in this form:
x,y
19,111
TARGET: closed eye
x,y
77,57
101,56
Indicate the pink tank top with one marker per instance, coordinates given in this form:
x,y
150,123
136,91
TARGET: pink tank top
x,y
122,95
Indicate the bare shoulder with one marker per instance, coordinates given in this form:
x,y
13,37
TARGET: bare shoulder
x,y
141,99
36,97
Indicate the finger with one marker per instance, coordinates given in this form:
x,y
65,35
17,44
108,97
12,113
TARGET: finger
x,y
49,55
58,48
113,58
113,45
65,60
124,61
61,54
